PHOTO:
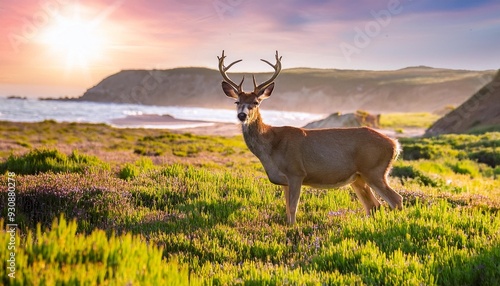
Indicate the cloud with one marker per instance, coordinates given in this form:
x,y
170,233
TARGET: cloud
x,y
427,6
172,33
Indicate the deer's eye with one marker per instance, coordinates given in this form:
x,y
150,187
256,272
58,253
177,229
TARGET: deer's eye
x,y
256,102
237,102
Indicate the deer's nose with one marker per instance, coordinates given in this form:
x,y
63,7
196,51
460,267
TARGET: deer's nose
x,y
242,116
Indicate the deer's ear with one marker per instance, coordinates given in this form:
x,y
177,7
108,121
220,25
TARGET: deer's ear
x,y
229,90
266,92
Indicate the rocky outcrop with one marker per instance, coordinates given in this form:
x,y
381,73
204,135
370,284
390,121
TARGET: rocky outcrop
x,y
479,112
335,120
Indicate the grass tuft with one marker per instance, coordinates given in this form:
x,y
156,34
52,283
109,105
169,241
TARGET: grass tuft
x,y
51,160
61,256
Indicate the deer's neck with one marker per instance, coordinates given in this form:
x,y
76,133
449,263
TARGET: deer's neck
x,y
257,134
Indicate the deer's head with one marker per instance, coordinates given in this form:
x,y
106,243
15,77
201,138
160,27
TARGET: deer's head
x,y
248,102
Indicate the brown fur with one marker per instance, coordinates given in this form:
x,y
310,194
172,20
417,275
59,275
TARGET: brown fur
x,y
323,158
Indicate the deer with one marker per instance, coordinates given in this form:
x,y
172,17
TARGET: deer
x,y
320,158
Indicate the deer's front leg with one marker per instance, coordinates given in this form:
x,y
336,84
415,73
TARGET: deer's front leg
x,y
292,196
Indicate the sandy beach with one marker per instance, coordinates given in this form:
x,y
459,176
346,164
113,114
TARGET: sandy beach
x,y
198,127
180,125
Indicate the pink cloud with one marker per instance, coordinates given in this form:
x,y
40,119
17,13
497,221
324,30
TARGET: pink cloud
x,y
171,33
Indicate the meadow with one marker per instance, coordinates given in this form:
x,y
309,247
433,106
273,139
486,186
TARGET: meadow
x,y
97,205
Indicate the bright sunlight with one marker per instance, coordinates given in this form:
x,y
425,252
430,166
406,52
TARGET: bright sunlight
x,y
75,40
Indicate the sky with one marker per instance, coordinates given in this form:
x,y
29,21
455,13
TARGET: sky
x,y
54,48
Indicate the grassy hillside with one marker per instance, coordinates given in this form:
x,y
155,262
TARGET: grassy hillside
x,y
415,89
407,120
480,113
154,207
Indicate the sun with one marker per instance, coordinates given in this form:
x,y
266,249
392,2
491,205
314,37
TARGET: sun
x,y
75,40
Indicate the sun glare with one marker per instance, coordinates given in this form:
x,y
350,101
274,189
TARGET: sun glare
x,y
76,41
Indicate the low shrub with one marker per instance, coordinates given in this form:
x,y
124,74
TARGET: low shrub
x,y
418,151
51,160
61,256
130,171
465,167
95,200
410,172
489,156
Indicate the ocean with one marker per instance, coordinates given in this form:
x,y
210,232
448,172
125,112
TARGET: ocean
x,y
34,110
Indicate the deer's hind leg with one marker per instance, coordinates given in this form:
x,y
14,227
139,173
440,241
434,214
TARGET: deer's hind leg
x,y
286,192
365,195
380,186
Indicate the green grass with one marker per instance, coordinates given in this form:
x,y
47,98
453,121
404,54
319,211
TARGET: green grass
x,y
130,171
407,120
483,148
211,216
44,160
61,256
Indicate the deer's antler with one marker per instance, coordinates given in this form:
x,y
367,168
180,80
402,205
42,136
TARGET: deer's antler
x,y
223,69
277,70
